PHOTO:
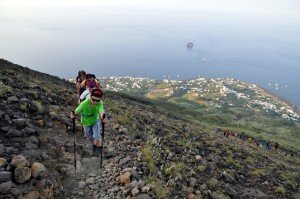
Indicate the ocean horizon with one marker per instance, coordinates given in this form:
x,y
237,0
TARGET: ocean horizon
x,y
150,38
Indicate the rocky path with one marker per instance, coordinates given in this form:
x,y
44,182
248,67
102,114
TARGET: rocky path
x,y
122,173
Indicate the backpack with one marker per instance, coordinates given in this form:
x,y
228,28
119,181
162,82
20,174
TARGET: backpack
x,y
91,83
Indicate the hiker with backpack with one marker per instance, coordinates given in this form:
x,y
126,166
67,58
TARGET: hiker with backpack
x,y
79,79
91,111
89,83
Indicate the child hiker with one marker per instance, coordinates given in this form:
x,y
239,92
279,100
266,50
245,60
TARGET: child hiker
x,y
91,111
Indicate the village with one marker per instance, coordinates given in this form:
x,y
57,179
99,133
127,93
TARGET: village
x,y
216,91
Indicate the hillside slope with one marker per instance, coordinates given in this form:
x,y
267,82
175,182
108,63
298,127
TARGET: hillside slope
x,y
226,103
150,152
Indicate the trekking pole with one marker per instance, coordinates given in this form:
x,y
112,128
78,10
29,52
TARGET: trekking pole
x,y
102,135
74,145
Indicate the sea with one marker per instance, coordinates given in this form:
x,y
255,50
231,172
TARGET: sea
x,y
150,39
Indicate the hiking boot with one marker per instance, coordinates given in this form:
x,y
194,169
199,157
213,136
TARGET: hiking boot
x,y
94,149
98,151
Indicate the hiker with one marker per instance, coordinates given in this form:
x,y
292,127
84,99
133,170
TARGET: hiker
x,y
245,137
218,130
79,79
91,111
276,146
255,141
89,83
226,133
241,135
268,144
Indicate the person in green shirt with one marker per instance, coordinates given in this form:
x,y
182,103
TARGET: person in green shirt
x,y
91,110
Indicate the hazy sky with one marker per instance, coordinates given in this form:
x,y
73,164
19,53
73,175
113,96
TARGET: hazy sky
x,y
254,10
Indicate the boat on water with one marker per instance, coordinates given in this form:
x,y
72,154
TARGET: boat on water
x,y
189,45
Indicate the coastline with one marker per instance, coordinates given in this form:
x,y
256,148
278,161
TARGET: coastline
x,y
282,99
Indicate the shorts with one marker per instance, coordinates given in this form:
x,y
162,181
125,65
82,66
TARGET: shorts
x,y
81,90
93,132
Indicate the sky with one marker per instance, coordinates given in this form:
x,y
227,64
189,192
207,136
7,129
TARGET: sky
x,y
277,12
262,9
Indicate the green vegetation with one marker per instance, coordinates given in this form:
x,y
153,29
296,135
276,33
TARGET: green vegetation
x,y
290,178
148,157
204,103
259,172
40,107
280,190
23,107
201,168
4,89
229,160
112,107
174,170
256,124
161,191
124,119
184,143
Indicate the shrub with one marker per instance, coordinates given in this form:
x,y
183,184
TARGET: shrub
x,y
184,143
23,107
229,160
174,170
259,172
249,160
148,157
280,190
39,106
161,191
114,109
290,178
4,89
124,119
